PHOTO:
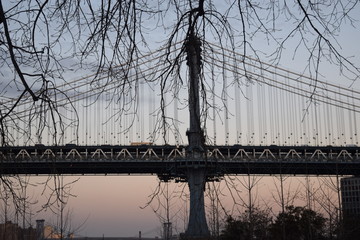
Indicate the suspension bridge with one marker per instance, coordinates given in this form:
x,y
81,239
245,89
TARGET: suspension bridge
x,y
256,118
255,104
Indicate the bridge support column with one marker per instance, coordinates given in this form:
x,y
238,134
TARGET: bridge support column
x,y
196,174
197,227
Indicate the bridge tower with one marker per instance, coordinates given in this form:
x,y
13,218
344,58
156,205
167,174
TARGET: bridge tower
x,y
196,154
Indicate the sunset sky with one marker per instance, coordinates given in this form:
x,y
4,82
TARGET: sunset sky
x,y
107,205
111,205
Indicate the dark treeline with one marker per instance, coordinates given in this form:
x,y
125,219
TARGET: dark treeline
x,y
295,223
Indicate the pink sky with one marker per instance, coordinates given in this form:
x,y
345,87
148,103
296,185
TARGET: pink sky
x,y
111,204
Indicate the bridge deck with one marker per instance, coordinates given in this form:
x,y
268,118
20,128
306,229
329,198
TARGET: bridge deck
x,y
172,161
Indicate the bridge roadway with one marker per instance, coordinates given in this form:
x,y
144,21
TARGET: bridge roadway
x,y
169,161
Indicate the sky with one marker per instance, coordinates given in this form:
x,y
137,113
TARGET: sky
x,y
100,205
111,205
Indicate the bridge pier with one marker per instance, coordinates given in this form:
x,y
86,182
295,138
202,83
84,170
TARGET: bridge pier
x,y
197,227
196,174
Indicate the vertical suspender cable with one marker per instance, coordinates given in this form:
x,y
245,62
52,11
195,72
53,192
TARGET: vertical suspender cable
x,y
250,117
328,117
213,101
323,123
283,117
342,119
317,127
142,111
87,110
349,137
265,116
259,117
302,117
290,112
98,120
331,133
113,124
138,111
339,120
176,120
269,132
226,113
237,112
164,140
277,115
294,107
314,121
297,117
130,125
106,113
355,122
151,114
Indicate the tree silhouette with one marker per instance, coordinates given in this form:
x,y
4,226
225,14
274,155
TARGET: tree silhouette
x,y
299,223
246,226
43,42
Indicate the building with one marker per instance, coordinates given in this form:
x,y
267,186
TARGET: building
x,y
11,231
350,195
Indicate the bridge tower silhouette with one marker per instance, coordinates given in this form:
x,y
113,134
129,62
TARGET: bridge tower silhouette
x,y
196,174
